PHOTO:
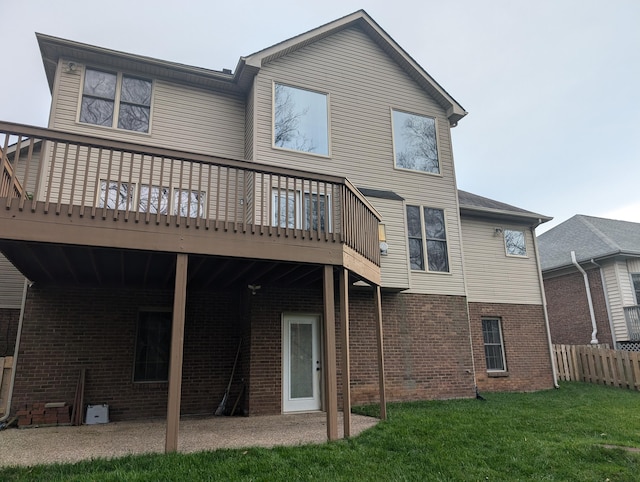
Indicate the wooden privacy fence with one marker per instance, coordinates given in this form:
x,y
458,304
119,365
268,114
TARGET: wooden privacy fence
x,y
594,364
6,366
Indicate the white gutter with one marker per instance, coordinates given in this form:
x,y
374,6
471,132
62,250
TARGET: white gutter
x,y
594,333
15,351
544,307
607,304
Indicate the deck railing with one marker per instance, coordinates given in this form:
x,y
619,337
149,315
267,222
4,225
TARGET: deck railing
x,y
69,174
632,315
9,185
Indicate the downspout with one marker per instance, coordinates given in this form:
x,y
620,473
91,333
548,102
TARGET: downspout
x,y
594,333
606,302
544,306
15,350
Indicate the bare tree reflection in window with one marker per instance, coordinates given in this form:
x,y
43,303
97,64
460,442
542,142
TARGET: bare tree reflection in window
x,y
154,199
98,97
415,142
515,242
300,120
115,195
414,228
284,214
189,203
135,102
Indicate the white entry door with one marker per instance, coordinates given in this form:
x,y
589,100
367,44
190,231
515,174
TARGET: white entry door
x,y
301,365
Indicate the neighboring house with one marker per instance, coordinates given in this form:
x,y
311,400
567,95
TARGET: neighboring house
x,y
594,297
181,210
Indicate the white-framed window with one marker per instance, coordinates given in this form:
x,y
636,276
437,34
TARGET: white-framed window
x,y
300,119
415,143
153,346
635,280
493,345
427,233
515,242
154,199
116,100
287,210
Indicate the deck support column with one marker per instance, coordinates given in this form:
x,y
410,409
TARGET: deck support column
x,y
346,365
330,370
378,309
175,362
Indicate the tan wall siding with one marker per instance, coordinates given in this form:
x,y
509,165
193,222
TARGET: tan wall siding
x,y
633,265
183,118
11,285
393,266
249,132
357,74
492,276
613,274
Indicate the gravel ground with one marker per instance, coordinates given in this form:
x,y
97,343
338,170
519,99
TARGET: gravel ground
x,y
71,444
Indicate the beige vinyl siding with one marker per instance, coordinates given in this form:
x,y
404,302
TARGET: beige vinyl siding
x,y
11,284
620,295
393,266
492,276
249,137
182,117
633,265
363,85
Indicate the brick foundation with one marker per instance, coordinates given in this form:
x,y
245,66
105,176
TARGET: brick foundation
x,y
426,342
525,344
568,308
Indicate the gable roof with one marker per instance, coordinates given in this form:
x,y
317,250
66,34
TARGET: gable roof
x,y
248,66
590,237
474,205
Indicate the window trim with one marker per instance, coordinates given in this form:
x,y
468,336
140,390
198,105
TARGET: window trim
x,y
393,143
502,347
506,249
273,119
116,107
423,229
135,342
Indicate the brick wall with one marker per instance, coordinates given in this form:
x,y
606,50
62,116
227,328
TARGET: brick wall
x,y
66,328
525,344
8,330
426,343
568,308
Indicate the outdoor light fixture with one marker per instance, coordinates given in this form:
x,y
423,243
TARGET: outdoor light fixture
x,y
254,288
498,231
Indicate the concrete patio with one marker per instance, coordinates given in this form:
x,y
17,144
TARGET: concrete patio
x,y
71,444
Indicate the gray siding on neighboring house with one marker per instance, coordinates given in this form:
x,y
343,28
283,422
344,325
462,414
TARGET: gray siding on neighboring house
x,y
356,74
11,285
491,275
182,117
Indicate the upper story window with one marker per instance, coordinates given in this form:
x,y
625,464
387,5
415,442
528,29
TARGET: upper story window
x,y
414,142
116,100
635,279
300,120
427,233
515,242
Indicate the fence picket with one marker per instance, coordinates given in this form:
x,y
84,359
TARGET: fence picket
x,y
599,365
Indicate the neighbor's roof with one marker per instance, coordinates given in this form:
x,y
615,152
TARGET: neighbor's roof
x,y
474,205
54,48
590,237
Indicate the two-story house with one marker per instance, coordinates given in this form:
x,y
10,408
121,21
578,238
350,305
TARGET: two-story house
x,y
591,269
303,208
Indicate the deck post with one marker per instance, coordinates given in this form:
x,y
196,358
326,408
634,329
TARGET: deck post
x,y
175,362
378,309
346,373
330,370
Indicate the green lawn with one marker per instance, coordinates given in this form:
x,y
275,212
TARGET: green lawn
x,y
550,435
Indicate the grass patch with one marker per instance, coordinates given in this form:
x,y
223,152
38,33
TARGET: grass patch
x,y
549,435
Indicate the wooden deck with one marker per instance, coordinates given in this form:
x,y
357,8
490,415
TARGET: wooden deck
x,y
70,190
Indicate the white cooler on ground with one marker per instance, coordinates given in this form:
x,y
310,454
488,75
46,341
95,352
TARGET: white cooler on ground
x,y
97,414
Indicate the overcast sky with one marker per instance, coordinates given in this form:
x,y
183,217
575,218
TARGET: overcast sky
x,y
552,87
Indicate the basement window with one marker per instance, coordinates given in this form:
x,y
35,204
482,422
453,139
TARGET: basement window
x,y
493,345
153,346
